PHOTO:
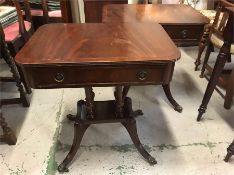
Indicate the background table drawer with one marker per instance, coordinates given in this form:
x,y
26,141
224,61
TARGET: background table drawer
x,y
78,76
184,35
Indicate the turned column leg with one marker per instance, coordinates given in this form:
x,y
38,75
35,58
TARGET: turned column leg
x,y
230,152
169,96
79,130
202,45
11,63
220,62
130,125
89,102
229,91
119,101
208,51
125,91
8,135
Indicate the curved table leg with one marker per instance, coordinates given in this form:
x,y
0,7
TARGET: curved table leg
x,y
130,125
219,64
230,152
79,130
167,91
78,113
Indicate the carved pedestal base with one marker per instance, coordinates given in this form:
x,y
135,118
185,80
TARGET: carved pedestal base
x,y
104,112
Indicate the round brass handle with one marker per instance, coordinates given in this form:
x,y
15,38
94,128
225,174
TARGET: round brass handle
x,y
142,75
59,77
184,33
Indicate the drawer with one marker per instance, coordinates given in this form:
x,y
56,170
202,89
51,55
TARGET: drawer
x,y
80,76
184,32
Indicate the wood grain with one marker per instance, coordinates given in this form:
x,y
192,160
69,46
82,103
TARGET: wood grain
x,y
165,14
98,43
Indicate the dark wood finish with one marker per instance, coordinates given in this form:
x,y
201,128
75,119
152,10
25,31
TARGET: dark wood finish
x,y
93,9
182,23
5,54
42,18
229,91
111,54
167,91
15,45
110,115
8,135
66,11
89,102
208,29
202,44
222,58
39,51
230,152
116,57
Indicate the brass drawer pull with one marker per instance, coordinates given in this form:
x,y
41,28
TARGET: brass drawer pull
x,y
142,75
184,33
59,77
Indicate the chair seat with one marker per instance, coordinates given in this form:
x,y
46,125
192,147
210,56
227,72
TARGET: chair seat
x,y
218,42
38,12
12,31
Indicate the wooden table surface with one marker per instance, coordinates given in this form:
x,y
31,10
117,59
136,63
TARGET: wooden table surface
x,y
183,23
165,14
87,43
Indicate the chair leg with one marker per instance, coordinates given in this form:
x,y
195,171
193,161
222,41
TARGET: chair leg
x,y
202,45
219,64
26,86
229,91
11,63
8,135
208,51
230,152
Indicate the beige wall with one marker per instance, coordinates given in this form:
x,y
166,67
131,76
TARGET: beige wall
x,y
77,7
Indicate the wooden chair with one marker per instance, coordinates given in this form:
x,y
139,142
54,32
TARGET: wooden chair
x,y
222,37
209,13
50,11
230,152
216,40
6,55
18,33
8,136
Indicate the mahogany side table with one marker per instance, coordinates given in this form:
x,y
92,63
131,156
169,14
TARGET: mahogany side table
x,y
183,23
88,55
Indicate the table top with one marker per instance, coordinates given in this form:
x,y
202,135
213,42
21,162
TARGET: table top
x,y
165,14
98,43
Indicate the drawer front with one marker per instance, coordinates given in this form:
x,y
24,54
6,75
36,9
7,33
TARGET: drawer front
x,y
184,33
71,76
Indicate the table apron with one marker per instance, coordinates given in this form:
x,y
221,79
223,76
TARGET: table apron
x,y
185,35
46,77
